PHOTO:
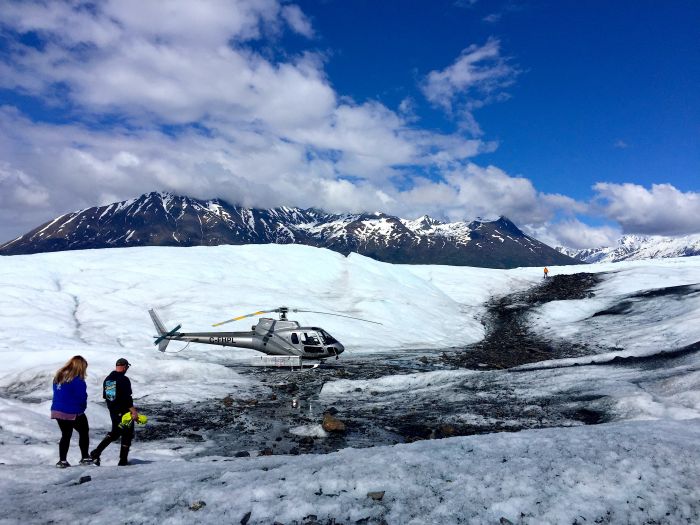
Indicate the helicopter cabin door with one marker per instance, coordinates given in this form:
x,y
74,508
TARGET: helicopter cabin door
x,y
311,342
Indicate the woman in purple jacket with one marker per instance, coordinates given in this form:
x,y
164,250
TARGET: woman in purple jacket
x,y
68,408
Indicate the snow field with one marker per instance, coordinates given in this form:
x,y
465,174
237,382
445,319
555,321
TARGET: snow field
x,y
651,325
95,303
633,472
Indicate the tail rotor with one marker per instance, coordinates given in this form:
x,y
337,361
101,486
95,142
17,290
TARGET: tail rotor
x,y
162,339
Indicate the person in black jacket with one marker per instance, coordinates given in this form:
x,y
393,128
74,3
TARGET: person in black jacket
x,y
116,390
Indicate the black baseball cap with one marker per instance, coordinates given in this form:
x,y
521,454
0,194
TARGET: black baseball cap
x,y
123,362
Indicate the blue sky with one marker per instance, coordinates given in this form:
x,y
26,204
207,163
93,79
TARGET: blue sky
x,y
578,120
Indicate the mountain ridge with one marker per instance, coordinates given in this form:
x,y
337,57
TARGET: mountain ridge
x,y
638,247
164,219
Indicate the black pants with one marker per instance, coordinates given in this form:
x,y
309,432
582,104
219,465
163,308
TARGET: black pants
x,y
126,434
80,424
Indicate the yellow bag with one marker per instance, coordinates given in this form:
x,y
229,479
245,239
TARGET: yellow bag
x,y
126,420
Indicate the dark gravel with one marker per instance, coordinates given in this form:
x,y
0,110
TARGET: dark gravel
x,y
509,341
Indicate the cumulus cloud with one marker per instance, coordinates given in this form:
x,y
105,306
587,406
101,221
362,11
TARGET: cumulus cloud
x,y
297,20
573,233
474,191
175,96
22,199
176,61
18,187
476,78
661,210
86,167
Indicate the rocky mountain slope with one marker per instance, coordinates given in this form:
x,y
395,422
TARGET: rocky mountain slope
x,y
163,219
636,247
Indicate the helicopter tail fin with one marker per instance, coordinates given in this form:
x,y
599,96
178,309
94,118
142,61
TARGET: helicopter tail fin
x,y
161,341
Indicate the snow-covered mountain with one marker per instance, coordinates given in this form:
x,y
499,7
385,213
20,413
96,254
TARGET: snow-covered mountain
x,y
637,247
163,219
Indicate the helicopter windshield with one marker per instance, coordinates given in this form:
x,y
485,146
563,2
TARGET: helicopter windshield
x,y
328,339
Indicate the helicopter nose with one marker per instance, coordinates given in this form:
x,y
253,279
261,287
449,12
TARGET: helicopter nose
x,y
339,349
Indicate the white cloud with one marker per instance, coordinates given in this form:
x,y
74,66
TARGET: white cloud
x,y
16,187
22,200
85,167
573,233
200,112
248,129
475,191
177,61
485,191
297,20
203,23
239,125
661,210
189,73
407,109
476,78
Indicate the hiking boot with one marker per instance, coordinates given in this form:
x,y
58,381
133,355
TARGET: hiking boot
x,y
62,464
95,458
123,456
87,461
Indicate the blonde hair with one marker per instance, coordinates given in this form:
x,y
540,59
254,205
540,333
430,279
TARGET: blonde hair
x,y
75,367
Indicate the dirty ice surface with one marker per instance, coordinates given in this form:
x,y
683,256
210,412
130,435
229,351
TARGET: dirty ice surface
x,y
639,466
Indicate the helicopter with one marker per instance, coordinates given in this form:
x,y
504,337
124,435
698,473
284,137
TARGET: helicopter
x,y
276,337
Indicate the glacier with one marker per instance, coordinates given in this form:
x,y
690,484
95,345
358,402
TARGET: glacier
x,y
639,466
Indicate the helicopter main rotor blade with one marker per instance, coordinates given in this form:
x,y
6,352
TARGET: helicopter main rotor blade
x,y
337,315
244,316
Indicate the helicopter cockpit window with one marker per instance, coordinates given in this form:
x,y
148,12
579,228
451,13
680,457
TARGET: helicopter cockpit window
x,y
310,339
295,338
328,339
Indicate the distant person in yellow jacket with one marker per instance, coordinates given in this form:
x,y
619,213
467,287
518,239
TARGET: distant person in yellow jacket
x,y
546,272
